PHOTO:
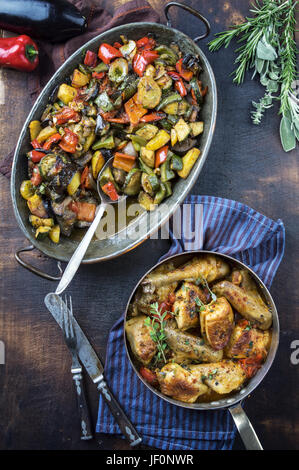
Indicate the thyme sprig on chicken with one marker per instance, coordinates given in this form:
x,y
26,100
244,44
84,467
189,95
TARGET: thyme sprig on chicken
x,y
268,45
157,324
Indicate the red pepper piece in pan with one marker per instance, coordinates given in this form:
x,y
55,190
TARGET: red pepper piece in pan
x,y
98,75
184,73
146,43
153,117
35,144
52,140
142,59
90,59
65,115
179,84
36,178
110,190
161,156
107,53
69,141
20,53
36,156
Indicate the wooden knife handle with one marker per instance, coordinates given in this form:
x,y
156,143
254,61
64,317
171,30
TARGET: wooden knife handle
x,y
122,420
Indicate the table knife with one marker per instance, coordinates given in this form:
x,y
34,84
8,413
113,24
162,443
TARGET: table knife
x,y
95,369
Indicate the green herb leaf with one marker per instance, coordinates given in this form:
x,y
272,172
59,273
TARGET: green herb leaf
x,y
287,136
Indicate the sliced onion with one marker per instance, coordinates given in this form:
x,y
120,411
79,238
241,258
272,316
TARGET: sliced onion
x,y
129,149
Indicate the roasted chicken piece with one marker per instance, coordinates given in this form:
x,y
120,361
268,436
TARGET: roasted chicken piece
x,y
188,347
143,300
138,334
209,266
222,377
179,383
246,341
217,323
185,307
248,303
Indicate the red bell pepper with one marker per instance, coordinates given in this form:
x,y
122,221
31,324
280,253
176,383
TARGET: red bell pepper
x,y
36,156
184,73
90,59
161,156
84,182
142,59
36,178
20,53
98,75
107,53
35,144
65,115
52,140
179,84
153,117
110,190
117,45
69,141
145,43
148,375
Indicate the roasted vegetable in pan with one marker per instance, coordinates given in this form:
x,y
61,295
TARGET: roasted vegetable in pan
x,y
190,325
131,101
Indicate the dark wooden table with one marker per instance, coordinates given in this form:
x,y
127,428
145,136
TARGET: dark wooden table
x,y
246,163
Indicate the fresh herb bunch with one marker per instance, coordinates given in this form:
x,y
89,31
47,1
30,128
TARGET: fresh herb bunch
x,y
157,324
268,46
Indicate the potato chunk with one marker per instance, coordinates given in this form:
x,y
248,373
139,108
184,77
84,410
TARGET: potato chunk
x,y
138,334
179,383
222,377
217,323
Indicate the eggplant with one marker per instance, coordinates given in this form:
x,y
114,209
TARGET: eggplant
x,y
52,20
182,147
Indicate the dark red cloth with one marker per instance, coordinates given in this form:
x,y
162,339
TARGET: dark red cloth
x,y
53,56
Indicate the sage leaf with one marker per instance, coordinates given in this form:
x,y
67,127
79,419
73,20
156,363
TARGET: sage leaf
x,y
272,86
259,64
287,136
265,51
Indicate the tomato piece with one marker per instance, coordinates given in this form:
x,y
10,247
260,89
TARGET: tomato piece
x,y
107,53
148,375
36,178
69,141
161,156
90,59
36,156
110,190
251,365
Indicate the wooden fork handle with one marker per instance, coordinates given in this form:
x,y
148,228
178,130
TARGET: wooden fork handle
x,y
86,432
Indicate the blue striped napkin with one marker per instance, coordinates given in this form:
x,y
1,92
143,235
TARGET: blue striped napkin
x,y
220,225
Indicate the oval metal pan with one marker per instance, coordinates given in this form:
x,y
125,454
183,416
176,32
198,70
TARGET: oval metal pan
x,y
101,250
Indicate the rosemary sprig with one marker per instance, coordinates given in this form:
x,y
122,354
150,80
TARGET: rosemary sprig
x,y
268,45
157,324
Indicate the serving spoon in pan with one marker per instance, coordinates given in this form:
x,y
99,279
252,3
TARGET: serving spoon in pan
x,y
79,253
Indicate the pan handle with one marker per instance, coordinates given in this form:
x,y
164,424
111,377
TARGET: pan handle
x,y
193,12
34,270
245,428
